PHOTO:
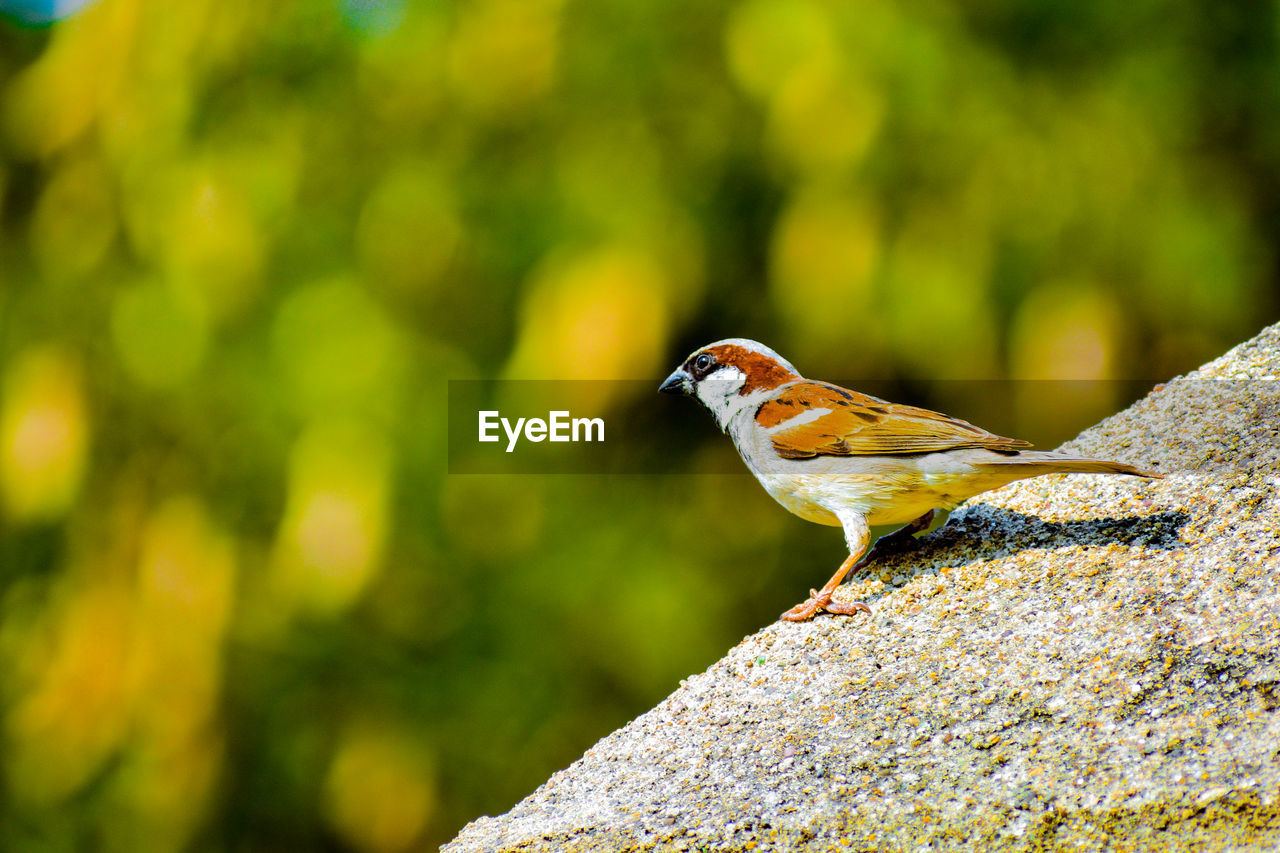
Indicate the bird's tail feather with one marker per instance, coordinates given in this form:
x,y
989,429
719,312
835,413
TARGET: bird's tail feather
x,y
1055,462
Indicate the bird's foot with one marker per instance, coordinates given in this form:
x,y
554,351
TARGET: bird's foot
x,y
821,602
841,609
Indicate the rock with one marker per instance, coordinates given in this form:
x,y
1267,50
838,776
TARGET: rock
x,y
1071,662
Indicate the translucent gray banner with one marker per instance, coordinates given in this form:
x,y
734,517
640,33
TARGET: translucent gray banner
x,y
627,427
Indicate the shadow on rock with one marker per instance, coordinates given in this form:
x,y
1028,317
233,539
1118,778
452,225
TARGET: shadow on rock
x,y
990,533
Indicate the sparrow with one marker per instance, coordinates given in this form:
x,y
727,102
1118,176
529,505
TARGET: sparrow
x,y
844,459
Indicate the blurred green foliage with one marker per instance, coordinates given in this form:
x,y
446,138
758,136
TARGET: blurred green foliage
x,y
245,244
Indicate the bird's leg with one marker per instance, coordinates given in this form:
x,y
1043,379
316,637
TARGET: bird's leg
x,y
820,599
858,537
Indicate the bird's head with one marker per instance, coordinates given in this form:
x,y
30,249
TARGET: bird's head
x,y
730,375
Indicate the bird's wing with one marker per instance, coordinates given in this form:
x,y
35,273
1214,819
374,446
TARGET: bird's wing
x,y
808,419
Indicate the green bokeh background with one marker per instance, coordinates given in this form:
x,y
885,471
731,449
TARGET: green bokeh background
x,y
245,245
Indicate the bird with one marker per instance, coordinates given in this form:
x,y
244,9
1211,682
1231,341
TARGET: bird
x,y
844,459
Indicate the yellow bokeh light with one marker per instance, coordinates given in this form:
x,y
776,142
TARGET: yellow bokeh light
x,y
184,592
44,434
78,72
193,221
824,123
770,41
127,664
409,229
825,252
160,332
213,245
595,315
167,788
503,55
339,349
401,75
1068,331
330,542
186,580
938,306
380,790
610,172
259,155
141,124
75,220
77,712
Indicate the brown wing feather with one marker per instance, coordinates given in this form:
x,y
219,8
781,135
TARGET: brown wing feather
x,y
860,425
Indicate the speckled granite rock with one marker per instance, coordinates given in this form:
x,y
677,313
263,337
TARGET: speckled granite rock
x,y
1072,662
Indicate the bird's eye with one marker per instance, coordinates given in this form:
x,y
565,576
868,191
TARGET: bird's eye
x,y
702,362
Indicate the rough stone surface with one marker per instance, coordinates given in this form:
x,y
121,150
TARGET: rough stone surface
x,y
1072,662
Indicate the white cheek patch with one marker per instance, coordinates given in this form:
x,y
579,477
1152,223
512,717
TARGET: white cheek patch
x,y
808,416
720,386
726,376
719,393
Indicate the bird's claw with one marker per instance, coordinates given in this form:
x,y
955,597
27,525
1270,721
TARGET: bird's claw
x,y
821,602
847,609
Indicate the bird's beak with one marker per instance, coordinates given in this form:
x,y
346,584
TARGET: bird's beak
x,y
677,383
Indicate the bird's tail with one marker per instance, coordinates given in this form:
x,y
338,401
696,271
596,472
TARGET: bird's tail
x,y
1052,462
